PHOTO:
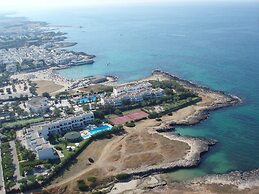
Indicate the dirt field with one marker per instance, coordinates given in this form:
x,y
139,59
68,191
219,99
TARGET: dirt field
x,y
47,86
135,149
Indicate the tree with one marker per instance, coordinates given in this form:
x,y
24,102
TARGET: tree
x,y
46,94
56,112
130,124
69,110
97,121
86,107
82,186
99,114
117,112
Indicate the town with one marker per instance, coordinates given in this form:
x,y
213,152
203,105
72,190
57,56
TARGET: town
x,y
43,132
46,120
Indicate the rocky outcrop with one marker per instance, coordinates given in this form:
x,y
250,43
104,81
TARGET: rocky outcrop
x,y
222,99
192,158
241,180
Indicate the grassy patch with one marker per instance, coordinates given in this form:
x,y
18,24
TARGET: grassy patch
x,y
23,123
97,88
180,104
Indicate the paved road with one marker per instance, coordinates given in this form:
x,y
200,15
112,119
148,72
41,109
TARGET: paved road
x,y
15,161
2,189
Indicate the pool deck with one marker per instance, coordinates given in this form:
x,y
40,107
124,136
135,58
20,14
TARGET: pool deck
x,y
85,134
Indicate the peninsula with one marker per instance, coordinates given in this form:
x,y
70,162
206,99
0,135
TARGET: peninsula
x,y
93,134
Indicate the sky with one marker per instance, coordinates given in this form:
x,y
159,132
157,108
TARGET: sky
x,y
14,5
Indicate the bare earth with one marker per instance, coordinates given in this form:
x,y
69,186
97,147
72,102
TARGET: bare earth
x,y
47,86
141,148
133,150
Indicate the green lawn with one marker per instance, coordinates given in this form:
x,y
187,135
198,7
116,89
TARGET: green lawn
x,y
23,122
64,150
180,104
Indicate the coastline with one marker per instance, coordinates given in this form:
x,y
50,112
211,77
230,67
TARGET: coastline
x,y
211,100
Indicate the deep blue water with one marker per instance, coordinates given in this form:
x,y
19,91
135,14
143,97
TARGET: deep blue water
x,y
213,45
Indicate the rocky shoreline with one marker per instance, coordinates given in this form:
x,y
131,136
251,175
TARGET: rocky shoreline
x,y
223,100
198,146
241,180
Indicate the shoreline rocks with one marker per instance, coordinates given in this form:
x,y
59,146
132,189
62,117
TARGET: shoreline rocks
x,y
198,146
242,180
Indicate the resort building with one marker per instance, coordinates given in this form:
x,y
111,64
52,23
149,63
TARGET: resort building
x,y
131,88
42,148
133,93
63,125
37,135
38,105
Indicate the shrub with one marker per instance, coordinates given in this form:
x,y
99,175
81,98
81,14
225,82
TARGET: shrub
x,y
158,119
153,115
82,186
58,147
91,179
131,124
117,112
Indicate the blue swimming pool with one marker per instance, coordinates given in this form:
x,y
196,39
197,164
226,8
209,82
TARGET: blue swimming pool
x,y
87,99
97,130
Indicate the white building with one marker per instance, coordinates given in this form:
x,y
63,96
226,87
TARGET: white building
x,y
38,104
132,92
42,148
36,136
131,88
65,124
12,68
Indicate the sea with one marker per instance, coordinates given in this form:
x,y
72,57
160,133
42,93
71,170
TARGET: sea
x,y
214,45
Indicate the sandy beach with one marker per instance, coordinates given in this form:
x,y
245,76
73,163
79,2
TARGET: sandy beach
x,y
47,80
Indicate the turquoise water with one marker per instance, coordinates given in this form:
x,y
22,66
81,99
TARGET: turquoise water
x,y
97,130
213,45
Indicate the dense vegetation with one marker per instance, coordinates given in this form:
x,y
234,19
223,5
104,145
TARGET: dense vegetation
x,y
7,164
22,123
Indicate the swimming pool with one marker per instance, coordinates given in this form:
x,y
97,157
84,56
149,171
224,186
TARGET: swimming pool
x,y
87,99
97,130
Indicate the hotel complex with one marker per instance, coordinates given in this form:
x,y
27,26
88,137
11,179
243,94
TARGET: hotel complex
x,y
132,92
37,135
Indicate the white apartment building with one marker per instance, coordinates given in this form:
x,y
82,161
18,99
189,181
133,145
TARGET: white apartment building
x,y
65,124
133,93
42,148
37,135
131,88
